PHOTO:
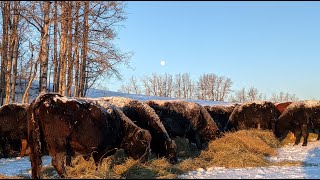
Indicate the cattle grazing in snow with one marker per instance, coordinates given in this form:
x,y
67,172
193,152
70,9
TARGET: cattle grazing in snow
x,y
220,114
299,118
68,126
145,117
13,129
186,119
256,114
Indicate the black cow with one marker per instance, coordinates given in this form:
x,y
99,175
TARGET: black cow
x,y
256,114
186,119
220,114
300,118
67,126
145,117
13,129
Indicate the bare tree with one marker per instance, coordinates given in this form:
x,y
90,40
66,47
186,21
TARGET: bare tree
x,y
56,68
16,44
254,95
84,49
5,7
63,47
33,71
213,87
183,86
76,50
282,97
132,87
69,48
240,96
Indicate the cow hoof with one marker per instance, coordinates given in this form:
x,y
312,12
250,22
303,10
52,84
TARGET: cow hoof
x,y
18,158
304,144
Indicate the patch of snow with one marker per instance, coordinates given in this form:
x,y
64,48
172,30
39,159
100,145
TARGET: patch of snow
x,y
309,155
14,167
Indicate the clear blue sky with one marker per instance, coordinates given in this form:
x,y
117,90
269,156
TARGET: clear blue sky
x,y
273,46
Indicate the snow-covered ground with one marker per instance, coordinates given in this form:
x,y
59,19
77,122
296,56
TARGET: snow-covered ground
x,y
309,155
310,169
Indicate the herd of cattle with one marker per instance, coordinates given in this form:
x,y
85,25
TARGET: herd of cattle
x,y
97,127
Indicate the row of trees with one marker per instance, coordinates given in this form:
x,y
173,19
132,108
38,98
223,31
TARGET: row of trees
x,y
66,43
208,86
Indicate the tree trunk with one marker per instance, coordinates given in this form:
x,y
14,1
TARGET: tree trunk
x,y
5,33
76,50
55,51
33,73
44,49
63,49
84,49
15,50
70,59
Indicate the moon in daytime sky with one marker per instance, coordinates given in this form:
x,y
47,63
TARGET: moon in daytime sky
x,y
162,63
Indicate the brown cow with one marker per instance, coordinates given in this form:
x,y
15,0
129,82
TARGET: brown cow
x,y
299,118
67,126
186,119
256,114
220,114
145,117
13,128
281,106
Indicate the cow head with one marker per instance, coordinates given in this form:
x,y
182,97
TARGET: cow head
x,y
281,129
138,145
171,151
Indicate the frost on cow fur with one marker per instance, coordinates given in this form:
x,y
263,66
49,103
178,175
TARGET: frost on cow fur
x,y
305,104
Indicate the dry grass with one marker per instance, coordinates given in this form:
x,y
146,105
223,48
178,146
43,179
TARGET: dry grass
x,y
245,148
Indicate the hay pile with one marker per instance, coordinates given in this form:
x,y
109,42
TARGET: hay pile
x,y
244,148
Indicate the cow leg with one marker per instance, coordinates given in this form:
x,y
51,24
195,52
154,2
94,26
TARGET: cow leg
x,y
194,137
68,160
96,158
36,164
297,134
305,135
2,144
70,153
318,135
23,147
58,163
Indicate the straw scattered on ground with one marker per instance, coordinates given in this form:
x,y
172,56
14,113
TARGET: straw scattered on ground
x,y
244,148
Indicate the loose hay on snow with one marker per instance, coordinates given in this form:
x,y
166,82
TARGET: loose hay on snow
x,y
244,148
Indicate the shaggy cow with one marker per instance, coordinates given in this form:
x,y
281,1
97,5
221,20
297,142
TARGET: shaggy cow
x,y
220,115
299,118
13,128
257,114
186,119
67,126
145,117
